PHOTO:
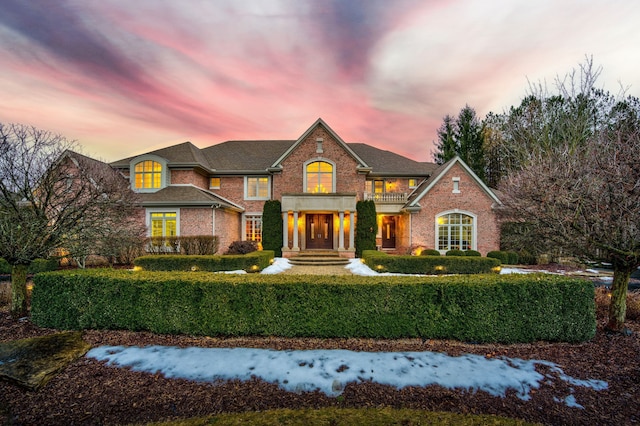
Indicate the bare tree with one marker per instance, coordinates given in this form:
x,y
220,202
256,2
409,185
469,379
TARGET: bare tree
x,y
50,195
587,201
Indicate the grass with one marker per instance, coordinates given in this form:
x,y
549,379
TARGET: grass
x,y
343,416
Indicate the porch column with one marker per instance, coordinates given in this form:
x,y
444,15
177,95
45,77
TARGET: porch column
x,y
341,232
285,230
295,247
352,226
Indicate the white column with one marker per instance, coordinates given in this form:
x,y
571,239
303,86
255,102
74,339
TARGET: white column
x,y
296,246
285,231
341,232
352,227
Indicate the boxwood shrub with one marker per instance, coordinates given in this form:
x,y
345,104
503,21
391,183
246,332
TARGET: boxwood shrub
x,y
430,252
480,308
250,262
500,255
455,253
430,265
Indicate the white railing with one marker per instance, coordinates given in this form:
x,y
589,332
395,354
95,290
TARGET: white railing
x,y
387,197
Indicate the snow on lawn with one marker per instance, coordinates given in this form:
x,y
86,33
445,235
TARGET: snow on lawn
x,y
329,371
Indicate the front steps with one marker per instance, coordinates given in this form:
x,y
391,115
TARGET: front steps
x,y
318,258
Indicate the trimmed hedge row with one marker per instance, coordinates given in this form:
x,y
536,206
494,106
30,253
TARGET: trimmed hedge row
x,y
430,265
250,262
482,308
36,266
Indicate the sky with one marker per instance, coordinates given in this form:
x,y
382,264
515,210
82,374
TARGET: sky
x,y
126,77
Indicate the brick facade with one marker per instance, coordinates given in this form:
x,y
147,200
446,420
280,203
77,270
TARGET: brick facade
x,y
415,224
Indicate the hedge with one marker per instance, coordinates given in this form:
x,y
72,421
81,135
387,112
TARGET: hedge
x,y
250,262
36,266
482,308
430,265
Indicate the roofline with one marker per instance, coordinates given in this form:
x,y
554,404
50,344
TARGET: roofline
x,y
448,166
318,122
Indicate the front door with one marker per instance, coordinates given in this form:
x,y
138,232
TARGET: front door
x,y
319,233
388,232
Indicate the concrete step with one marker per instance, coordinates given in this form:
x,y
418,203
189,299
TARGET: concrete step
x,y
317,259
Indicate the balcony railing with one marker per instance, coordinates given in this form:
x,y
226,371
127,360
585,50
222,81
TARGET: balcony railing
x,y
387,197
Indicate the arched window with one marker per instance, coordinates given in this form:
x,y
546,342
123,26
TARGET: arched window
x,y
319,177
455,232
148,175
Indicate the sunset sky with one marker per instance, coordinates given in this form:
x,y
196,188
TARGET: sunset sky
x,y
124,77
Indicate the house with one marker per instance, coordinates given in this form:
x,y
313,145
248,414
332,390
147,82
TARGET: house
x,y
318,178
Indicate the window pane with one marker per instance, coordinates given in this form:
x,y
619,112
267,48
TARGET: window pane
x,y
378,186
170,227
325,167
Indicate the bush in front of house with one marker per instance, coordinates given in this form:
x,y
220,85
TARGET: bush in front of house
x,y
502,256
473,253
5,268
272,232
366,226
43,265
455,253
242,247
512,258
251,262
429,265
483,308
430,252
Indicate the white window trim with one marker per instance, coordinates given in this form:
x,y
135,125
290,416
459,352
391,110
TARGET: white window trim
x,y
244,223
474,228
456,185
246,187
164,174
148,212
315,160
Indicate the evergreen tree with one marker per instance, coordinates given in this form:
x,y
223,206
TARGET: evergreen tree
x,y
447,144
464,137
272,227
366,227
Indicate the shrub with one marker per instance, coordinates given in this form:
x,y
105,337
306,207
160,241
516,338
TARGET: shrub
x,y
43,265
429,265
272,227
500,255
198,245
366,227
473,253
251,262
512,258
430,252
487,308
454,253
526,258
242,247
5,268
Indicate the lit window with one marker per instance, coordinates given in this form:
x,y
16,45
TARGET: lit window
x,y
148,174
455,232
163,224
257,188
253,228
319,177
413,183
214,183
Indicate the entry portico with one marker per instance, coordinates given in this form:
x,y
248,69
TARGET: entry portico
x,y
313,221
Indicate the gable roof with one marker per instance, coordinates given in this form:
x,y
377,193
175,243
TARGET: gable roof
x,y
185,153
425,187
320,122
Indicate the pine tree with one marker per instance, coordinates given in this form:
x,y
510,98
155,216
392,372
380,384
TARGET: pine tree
x,y
447,144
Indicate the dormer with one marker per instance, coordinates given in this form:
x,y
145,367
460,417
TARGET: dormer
x,y
148,173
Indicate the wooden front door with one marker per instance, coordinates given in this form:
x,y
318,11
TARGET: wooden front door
x,y
319,233
388,232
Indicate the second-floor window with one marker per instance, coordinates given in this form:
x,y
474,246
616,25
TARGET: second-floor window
x,y
148,175
319,177
257,188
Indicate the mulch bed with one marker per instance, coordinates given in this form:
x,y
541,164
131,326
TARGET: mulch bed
x,y
88,392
